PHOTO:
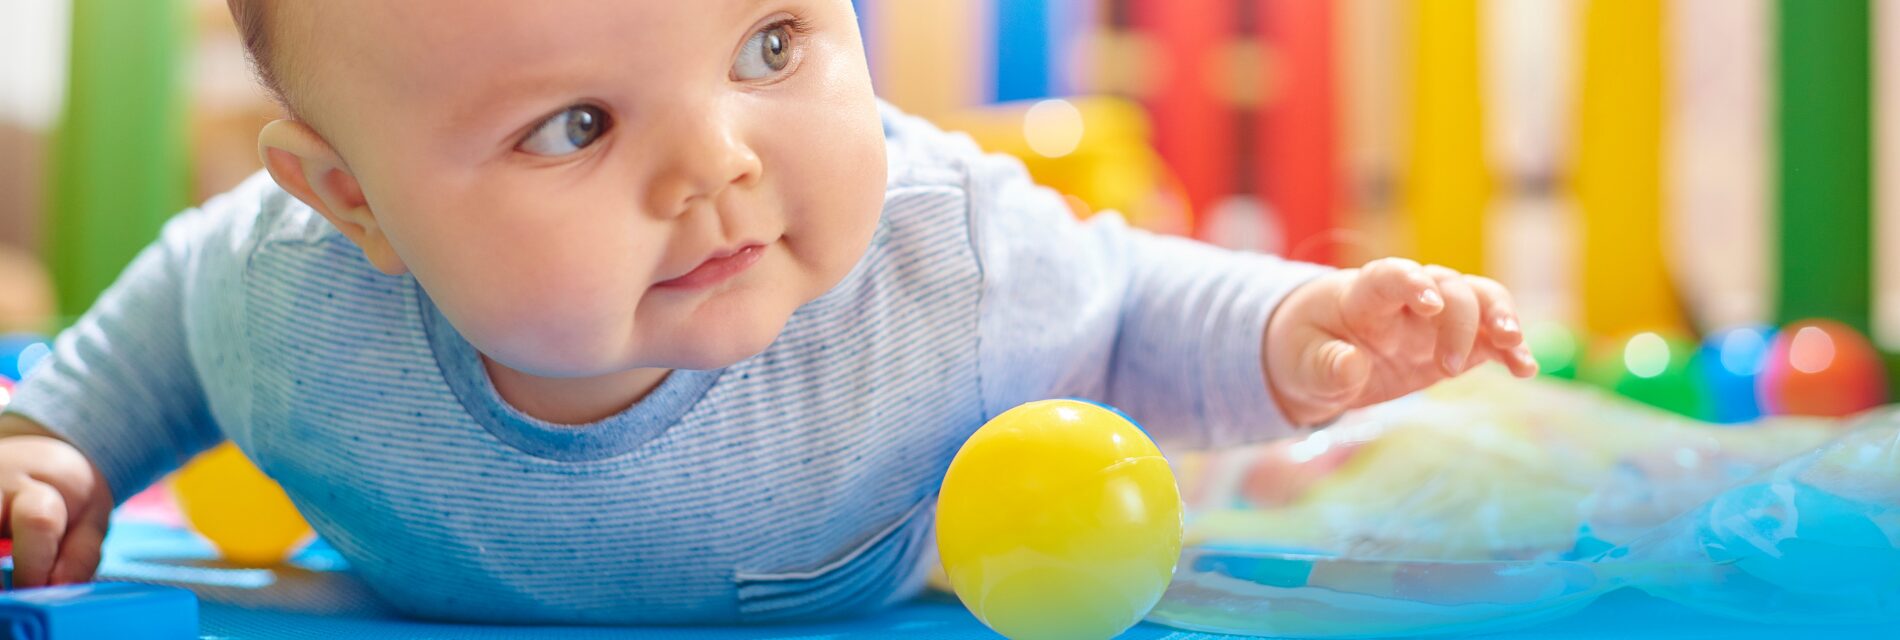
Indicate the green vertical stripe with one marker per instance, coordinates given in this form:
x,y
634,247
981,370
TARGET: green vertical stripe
x,y
120,165
1825,211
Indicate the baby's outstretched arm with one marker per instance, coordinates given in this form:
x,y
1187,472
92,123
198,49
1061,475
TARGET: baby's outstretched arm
x,y
117,404
1362,336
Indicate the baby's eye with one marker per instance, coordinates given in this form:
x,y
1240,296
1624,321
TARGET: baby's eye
x,y
566,132
767,52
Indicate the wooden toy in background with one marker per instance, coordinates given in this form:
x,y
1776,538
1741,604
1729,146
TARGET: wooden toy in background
x,y
22,184
1037,43
27,301
1022,66
930,57
1371,131
26,292
1530,235
1618,177
1447,185
1716,158
1188,95
1092,149
1886,329
1825,130
227,106
1294,150
1822,368
244,514
117,173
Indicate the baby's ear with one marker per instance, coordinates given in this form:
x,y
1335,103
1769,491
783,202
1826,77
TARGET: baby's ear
x,y
305,165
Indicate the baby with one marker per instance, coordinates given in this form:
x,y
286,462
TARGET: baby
x,y
650,312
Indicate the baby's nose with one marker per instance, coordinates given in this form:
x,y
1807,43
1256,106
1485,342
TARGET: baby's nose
x,y
708,156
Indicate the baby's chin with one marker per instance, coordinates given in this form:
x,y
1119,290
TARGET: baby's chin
x,y
720,344
701,346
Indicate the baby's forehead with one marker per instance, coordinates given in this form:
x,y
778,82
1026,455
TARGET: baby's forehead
x,y
362,58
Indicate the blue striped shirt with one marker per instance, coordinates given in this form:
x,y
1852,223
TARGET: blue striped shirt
x,y
798,483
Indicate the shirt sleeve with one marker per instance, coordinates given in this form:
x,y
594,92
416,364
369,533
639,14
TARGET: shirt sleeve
x,y
120,384
1167,329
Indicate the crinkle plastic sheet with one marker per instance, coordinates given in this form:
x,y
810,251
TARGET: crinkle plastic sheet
x,y
1491,504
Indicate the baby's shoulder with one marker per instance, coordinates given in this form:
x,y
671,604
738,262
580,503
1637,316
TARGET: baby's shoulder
x,y
257,240
228,229
919,154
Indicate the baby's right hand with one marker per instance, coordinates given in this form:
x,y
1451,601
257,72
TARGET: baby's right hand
x,y
53,504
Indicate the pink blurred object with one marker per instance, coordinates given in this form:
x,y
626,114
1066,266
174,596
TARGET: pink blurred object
x,y
1284,470
1822,368
155,505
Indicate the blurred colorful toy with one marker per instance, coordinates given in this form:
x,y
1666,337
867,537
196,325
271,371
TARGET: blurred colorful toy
x,y
239,509
1061,519
98,610
19,352
1092,149
1730,362
1822,368
1654,370
6,392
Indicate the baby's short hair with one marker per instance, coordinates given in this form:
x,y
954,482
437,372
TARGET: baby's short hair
x,y
254,27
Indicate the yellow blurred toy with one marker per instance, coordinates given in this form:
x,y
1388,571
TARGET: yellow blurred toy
x,y
239,509
1093,149
1059,518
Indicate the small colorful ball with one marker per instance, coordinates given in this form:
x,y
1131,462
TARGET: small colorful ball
x,y
1730,363
238,508
1059,519
1822,368
1655,370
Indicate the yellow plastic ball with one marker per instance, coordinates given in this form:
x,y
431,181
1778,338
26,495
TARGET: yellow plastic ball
x,y
238,508
1059,519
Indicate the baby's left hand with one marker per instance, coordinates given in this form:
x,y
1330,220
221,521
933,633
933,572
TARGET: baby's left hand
x,y
1362,336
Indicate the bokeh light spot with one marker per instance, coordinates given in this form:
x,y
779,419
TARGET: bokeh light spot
x,y
1053,128
1811,351
1742,351
1646,355
31,357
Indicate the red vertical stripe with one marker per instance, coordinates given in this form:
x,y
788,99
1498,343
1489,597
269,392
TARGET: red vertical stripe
x,y
1193,123
1298,170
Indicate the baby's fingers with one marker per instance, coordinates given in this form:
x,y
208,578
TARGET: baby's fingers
x,y
1518,359
1499,322
1458,324
36,516
79,555
1387,286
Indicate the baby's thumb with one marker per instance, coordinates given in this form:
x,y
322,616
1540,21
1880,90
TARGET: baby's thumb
x,y
1340,369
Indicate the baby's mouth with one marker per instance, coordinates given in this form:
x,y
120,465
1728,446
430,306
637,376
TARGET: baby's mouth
x,y
718,268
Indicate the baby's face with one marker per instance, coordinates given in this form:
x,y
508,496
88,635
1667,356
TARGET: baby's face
x,y
585,187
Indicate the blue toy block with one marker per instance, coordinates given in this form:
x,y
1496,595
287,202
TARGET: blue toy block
x,y
100,611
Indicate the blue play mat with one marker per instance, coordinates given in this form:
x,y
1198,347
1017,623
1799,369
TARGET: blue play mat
x,y
1806,544
314,598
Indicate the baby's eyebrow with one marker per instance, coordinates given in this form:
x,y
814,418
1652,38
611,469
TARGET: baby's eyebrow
x,y
499,92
